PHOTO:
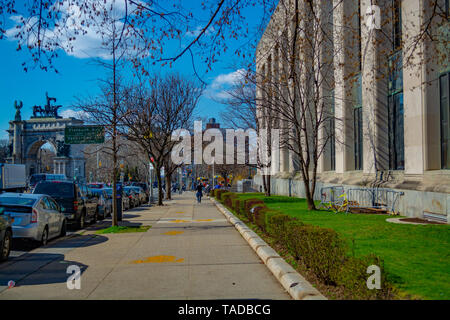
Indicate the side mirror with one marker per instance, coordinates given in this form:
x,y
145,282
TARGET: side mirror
x,y
63,210
2,211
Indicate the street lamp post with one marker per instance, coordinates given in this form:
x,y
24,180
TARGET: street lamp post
x,y
151,181
213,175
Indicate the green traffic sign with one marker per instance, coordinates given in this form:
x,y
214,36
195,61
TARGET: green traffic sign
x,y
84,135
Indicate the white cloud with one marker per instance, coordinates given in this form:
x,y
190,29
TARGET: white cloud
x,y
219,86
70,113
71,33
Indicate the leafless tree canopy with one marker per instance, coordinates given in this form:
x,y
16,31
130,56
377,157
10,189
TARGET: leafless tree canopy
x,y
42,27
155,109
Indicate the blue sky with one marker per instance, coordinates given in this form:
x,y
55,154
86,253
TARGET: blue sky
x,y
78,76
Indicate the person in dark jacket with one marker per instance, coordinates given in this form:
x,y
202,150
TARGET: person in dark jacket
x,y
199,193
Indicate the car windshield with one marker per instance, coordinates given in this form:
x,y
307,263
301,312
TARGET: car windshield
x,y
97,191
36,178
95,186
17,201
54,177
55,189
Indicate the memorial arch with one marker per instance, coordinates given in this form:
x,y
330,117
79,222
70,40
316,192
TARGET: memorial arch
x,y
26,137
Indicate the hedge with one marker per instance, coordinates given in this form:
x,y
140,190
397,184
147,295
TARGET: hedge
x,y
219,193
320,249
227,199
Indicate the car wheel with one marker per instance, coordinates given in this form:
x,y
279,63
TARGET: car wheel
x,y
63,229
6,246
81,221
44,238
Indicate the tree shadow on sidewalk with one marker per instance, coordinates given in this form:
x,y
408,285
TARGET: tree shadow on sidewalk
x,y
39,269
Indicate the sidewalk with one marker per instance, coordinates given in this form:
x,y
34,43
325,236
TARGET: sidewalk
x,y
191,252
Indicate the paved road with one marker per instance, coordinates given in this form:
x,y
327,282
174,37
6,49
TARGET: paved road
x,y
191,252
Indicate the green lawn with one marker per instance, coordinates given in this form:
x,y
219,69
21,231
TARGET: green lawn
x,y
123,229
416,257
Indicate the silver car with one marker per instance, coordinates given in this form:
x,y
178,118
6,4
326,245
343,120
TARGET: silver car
x,y
142,196
36,216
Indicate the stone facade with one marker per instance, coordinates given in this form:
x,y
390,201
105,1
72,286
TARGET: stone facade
x,y
28,136
417,167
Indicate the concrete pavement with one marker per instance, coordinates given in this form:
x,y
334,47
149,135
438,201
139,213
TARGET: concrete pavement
x,y
191,252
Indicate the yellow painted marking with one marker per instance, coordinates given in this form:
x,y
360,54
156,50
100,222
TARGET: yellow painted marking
x,y
179,212
204,220
159,259
179,221
173,233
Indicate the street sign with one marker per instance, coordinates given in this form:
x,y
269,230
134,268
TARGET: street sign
x,y
84,135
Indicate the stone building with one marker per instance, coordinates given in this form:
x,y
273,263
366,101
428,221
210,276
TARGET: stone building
x,y
387,88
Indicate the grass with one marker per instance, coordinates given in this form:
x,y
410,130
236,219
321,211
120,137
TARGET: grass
x,y
416,257
123,229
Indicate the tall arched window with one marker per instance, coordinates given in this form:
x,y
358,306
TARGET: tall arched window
x,y
395,93
444,94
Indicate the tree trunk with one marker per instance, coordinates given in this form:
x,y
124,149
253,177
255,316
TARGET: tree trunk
x,y
266,179
115,209
309,196
264,183
160,192
168,187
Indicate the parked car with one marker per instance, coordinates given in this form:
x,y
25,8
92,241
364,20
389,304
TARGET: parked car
x,y
36,178
90,200
5,234
141,194
79,207
36,216
125,199
104,203
133,196
144,187
96,185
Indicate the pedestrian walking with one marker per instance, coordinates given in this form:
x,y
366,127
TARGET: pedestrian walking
x,y
199,193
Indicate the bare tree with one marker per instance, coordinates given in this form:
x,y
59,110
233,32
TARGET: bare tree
x,y
4,150
242,112
294,86
157,110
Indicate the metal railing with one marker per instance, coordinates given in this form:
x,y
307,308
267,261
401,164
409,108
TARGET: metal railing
x,y
339,200
331,197
374,198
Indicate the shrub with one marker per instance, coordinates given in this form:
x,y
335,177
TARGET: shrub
x,y
236,205
242,207
259,215
277,225
227,199
262,215
254,210
249,203
353,276
248,206
219,194
319,248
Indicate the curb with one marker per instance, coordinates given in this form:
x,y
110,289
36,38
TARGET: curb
x,y
297,286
